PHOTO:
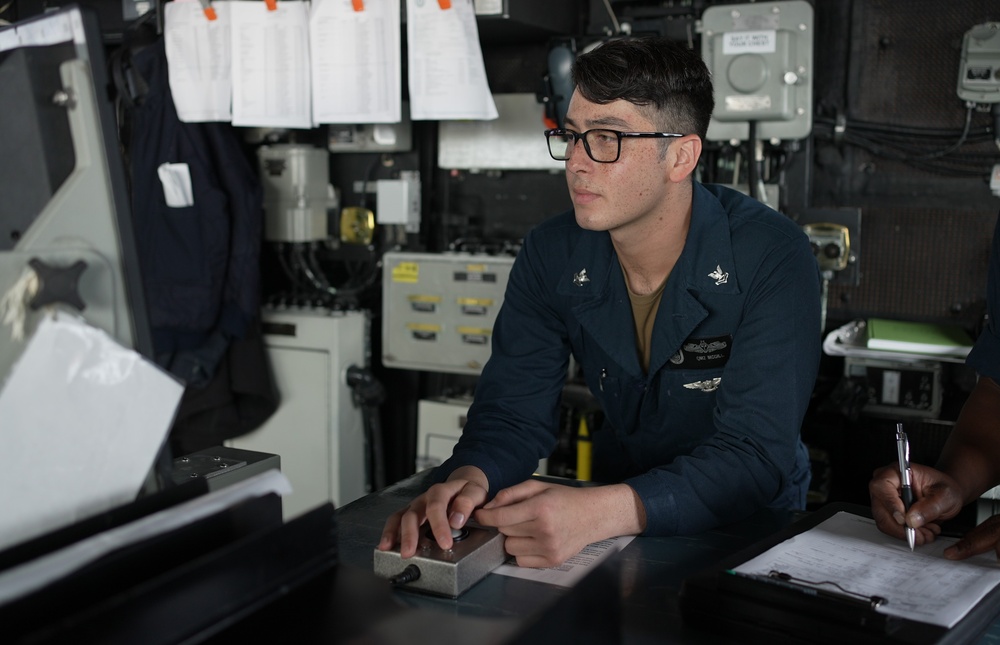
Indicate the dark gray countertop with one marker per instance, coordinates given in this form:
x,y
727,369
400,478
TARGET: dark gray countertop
x,y
633,598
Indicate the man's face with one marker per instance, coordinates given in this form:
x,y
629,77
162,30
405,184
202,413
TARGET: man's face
x,y
612,196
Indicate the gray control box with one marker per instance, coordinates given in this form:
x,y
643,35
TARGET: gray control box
x,y
447,572
897,388
761,59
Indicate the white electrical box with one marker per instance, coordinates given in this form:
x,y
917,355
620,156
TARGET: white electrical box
x,y
397,201
438,309
296,192
317,431
761,59
979,72
439,426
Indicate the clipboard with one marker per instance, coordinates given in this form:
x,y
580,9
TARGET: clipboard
x,y
768,611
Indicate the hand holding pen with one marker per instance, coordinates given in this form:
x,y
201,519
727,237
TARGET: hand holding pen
x,y
906,479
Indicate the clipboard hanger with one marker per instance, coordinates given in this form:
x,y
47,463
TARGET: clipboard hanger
x,y
208,9
815,587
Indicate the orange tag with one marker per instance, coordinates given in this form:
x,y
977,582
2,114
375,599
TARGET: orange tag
x,y
272,5
444,4
210,12
359,5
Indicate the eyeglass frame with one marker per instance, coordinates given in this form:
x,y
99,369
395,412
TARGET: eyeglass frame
x,y
582,136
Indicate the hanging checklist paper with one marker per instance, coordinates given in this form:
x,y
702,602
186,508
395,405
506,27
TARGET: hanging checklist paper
x,y
447,77
199,69
270,52
356,69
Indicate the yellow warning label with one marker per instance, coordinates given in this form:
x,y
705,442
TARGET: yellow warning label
x,y
474,331
406,272
423,298
476,302
423,327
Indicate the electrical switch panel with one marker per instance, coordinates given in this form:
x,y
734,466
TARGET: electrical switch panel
x,y
438,310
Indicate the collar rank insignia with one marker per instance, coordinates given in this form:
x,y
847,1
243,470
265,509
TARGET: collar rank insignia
x,y
580,278
720,276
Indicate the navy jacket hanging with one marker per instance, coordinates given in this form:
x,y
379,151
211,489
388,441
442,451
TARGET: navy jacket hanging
x,y
200,262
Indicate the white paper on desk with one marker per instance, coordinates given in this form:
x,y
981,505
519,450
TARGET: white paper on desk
x,y
447,77
83,421
570,572
199,60
849,550
356,68
271,64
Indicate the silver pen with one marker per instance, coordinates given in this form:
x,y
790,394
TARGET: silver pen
x,y
906,477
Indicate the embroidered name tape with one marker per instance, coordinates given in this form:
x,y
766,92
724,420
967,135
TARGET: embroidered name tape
x,y
702,353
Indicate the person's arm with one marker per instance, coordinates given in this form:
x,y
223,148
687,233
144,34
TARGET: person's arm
x,y
545,524
971,456
970,460
512,422
514,419
969,466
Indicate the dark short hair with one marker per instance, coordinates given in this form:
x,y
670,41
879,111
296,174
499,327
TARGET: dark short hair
x,y
665,78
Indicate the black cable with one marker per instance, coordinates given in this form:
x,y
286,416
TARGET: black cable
x,y
944,166
904,152
942,162
368,179
903,143
410,574
378,452
753,170
369,394
303,265
289,271
958,144
995,113
905,131
312,261
352,290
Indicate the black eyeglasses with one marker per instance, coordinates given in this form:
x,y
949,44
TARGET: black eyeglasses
x,y
603,146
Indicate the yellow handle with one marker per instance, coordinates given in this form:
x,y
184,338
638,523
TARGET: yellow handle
x,y
583,450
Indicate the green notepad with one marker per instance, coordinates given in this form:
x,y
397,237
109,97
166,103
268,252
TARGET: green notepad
x,y
918,338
